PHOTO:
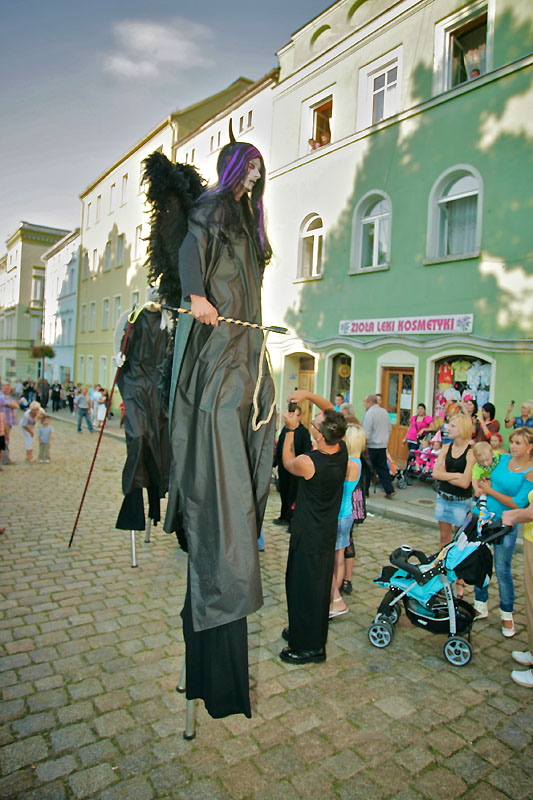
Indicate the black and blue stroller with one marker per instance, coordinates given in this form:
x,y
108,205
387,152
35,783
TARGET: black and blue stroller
x,y
425,585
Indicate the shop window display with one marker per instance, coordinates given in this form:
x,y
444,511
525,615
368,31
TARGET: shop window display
x,y
459,377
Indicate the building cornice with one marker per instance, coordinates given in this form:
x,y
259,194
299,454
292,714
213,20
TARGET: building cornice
x,y
28,231
455,343
66,240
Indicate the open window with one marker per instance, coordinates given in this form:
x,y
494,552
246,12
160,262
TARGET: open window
x,y
311,248
321,134
464,45
468,50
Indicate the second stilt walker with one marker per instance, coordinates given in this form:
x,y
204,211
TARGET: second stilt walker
x,y
221,463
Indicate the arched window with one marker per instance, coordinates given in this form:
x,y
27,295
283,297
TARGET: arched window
x,y
454,227
311,247
371,233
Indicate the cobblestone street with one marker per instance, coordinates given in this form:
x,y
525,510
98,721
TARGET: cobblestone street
x,y
92,650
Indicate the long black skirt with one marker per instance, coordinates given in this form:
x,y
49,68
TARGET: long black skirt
x,y
308,586
216,664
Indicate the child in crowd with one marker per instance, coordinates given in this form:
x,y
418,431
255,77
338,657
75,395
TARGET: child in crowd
x,y
496,442
486,461
46,432
2,436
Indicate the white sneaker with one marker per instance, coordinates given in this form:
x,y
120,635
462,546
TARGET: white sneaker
x,y
523,677
525,658
481,609
507,616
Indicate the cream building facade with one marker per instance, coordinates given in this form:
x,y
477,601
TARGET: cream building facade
x,y
22,280
60,305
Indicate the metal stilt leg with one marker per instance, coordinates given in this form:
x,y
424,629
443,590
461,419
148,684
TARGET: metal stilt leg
x,y
148,528
133,558
190,708
181,683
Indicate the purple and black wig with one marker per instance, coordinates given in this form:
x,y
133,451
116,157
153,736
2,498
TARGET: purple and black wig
x,y
232,168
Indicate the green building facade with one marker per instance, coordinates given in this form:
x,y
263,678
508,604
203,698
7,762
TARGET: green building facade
x,y
403,245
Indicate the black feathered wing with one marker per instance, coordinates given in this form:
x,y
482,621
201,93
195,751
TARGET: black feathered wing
x,y
171,190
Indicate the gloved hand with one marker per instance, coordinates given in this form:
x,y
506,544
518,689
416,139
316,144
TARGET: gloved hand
x,y
119,360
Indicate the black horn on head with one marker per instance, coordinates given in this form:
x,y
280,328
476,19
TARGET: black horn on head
x,y
232,139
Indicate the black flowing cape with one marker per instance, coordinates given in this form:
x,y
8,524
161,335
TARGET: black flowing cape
x,y
221,468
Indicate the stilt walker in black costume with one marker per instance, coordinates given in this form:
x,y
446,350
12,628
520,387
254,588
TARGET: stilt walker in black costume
x,y
146,420
221,457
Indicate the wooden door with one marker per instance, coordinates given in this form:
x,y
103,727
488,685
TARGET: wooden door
x,y
306,380
397,391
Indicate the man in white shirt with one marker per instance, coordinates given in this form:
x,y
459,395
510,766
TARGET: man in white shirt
x,y
376,422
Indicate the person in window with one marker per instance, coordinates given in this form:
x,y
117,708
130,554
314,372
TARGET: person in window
x,y
474,73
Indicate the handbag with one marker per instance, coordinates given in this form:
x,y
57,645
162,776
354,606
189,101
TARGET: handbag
x,y
358,505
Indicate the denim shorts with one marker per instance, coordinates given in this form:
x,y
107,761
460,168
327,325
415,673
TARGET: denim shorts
x,y
453,511
344,526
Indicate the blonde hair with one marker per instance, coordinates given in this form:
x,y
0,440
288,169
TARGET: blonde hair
x,y
355,440
479,448
34,405
524,433
464,423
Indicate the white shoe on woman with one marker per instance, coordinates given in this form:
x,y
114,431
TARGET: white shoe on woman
x,y
507,616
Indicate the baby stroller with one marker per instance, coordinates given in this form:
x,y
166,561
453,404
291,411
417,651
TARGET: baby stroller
x,y
425,587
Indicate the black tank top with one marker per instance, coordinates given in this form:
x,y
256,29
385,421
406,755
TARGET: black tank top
x,y
455,465
314,522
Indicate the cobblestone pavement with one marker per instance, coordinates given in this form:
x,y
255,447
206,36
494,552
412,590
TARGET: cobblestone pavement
x,y
91,651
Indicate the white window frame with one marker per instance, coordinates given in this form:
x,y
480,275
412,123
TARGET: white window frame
x,y
317,269
357,233
81,369
444,31
119,252
95,262
124,190
433,228
89,371
88,220
105,313
98,207
138,241
83,317
365,95
91,321
116,315
135,298
112,197
108,255
308,117
102,371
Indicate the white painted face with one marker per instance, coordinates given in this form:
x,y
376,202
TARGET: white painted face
x,y
253,174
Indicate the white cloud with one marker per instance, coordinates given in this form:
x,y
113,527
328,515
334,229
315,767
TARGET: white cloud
x,y
149,49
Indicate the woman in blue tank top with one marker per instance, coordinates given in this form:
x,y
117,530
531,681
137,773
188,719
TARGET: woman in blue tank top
x,y
507,487
355,443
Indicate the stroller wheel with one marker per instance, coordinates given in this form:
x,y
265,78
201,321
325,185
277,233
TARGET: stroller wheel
x,y
457,651
393,614
381,632
402,483
409,480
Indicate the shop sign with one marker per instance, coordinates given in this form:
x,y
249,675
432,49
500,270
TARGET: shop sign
x,y
452,323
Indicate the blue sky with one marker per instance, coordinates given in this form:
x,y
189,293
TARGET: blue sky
x,y
80,82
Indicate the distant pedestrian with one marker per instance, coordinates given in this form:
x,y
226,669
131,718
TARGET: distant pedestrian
x,y
46,433
71,394
56,396
9,407
27,423
377,425
84,406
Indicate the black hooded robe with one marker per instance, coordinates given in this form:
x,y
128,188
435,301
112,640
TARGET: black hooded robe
x,y
145,423
221,467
